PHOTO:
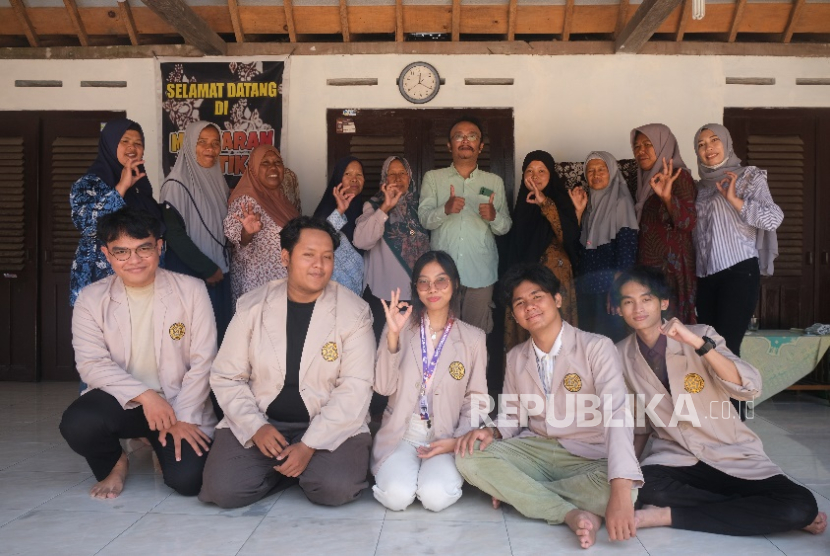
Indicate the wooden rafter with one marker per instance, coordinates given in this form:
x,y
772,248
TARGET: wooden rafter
x,y
398,20
646,20
25,22
622,14
569,17
189,25
795,13
685,15
75,16
736,20
129,22
456,20
233,9
512,9
344,21
289,20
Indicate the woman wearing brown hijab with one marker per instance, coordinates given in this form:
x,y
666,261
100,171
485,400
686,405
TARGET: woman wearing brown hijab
x,y
257,212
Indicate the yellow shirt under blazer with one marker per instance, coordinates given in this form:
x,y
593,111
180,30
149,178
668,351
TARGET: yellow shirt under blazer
x,y
586,364
722,440
460,373
336,369
184,337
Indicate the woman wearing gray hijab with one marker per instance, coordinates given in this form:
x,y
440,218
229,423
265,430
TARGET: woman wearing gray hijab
x,y
194,200
608,244
735,235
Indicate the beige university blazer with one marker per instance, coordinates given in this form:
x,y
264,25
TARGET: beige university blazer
x,y
184,335
249,370
722,441
398,375
593,358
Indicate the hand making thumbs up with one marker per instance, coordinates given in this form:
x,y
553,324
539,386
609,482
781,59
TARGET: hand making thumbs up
x,y
454,204
488,210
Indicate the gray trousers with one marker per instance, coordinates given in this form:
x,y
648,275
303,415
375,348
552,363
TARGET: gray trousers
x,y
477,307
235,476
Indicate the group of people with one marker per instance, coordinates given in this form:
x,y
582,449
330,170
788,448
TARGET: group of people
x,y
394,296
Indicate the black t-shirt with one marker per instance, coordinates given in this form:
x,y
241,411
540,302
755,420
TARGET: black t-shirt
x,y
288,406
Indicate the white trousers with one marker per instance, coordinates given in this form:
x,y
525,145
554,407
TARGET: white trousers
x,y
403,476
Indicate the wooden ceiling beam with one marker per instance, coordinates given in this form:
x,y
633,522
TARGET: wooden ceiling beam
x,y
129,22
23,18
344,21
456,20
622,14
75,16
398,20
189,25
512,11
289,20
646,20
736,20
795,13
685,16
233,9
568,21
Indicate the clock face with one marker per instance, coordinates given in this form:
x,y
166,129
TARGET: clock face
x,y
419,82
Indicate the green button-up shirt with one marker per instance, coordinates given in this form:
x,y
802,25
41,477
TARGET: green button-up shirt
x,y
466,236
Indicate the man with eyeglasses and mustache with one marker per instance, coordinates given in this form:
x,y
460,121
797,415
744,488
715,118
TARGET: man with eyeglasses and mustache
x,y
144,341
465,208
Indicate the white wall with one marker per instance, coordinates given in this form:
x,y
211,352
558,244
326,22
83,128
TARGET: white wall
x,y
568,105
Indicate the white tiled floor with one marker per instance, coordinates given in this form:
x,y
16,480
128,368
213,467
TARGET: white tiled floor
x,y
45,508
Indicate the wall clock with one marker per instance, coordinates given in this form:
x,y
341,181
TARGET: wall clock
x,y
419,82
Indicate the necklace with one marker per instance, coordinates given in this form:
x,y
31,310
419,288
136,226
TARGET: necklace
x,y
433,333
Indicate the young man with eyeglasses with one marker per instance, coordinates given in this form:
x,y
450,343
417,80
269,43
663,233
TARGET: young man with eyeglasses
x,y
144,341
465,208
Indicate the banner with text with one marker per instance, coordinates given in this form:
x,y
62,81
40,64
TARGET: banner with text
x,y
243,98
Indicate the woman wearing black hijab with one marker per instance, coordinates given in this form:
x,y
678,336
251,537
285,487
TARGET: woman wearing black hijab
x,y
116,179
546,229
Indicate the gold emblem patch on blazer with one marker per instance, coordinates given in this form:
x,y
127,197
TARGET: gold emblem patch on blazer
x,y
177,331
457,370
572,382
330,351
693,383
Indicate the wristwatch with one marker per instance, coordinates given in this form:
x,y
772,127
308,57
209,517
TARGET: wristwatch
x,y
708,345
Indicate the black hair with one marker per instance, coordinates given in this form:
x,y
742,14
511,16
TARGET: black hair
x,y
290,234
469,119
446,262
646,276
534,273
128,221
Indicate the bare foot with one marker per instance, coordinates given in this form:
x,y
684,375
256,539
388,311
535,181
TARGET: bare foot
x,y
112,486
496,503
585,525
652,516
818,525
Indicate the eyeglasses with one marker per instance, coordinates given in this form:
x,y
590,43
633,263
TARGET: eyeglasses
x,y
123,253
472,137
424,285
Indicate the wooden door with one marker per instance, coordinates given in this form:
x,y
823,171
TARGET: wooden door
x,y
788,143
69,144
18,245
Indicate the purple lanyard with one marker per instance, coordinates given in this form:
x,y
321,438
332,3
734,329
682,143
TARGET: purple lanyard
x,y
429,366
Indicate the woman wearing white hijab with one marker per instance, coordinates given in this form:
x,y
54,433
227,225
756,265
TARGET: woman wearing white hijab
x,y
734,237
609,244
194,198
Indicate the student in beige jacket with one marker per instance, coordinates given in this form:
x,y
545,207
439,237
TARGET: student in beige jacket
x,y
552,459
144,341
431,365
294,379
707,471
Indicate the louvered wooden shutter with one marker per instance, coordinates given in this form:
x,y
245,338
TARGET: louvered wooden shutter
x,y
372,151
71,156
12,188
783,158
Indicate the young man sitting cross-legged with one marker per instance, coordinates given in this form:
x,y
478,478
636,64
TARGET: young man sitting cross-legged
x,y
708,473
562,465
144,342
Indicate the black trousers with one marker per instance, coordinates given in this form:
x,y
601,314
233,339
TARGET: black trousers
x,y
704,499
93,424
378,403
593,317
